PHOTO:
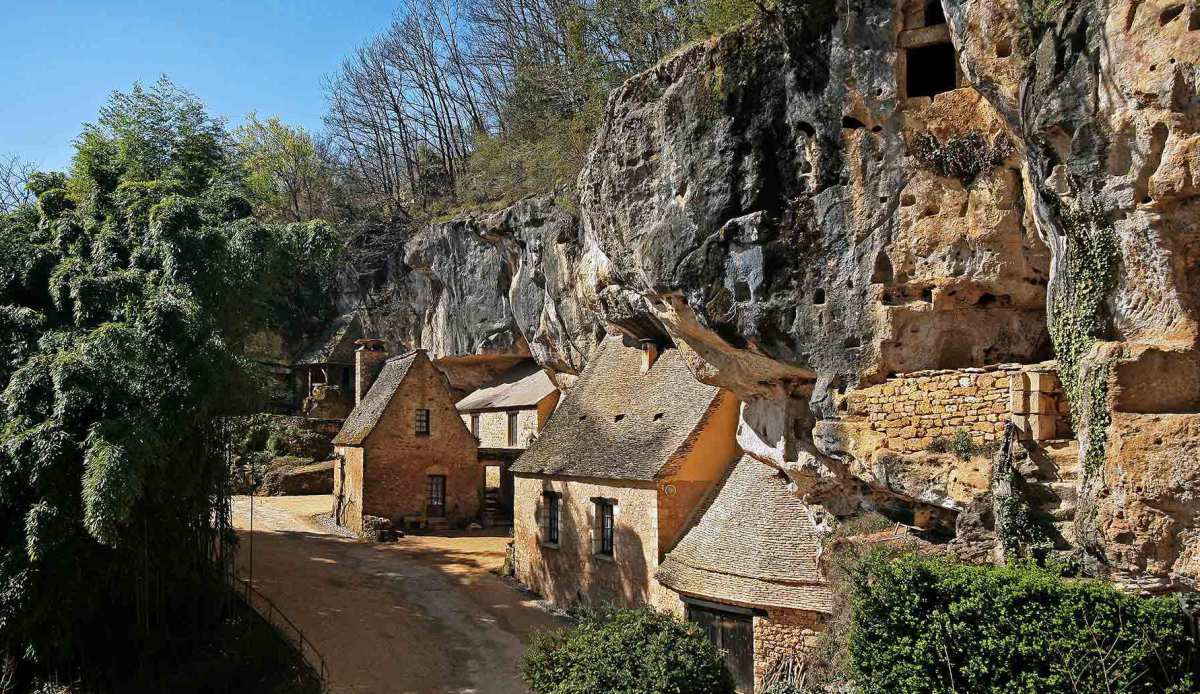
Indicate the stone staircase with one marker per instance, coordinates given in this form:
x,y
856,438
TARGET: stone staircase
x,y
1051,470
494,514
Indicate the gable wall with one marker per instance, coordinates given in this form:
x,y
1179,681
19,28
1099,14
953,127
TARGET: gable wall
x,y
397,461
701,463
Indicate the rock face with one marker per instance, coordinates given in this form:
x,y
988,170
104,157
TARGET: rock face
x,y
837,195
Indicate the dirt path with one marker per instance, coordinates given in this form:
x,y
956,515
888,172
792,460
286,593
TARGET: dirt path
x,y
424,614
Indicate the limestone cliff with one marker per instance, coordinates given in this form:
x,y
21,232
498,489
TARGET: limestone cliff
x,y
842,195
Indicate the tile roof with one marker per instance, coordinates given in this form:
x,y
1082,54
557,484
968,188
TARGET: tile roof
x,y
366,414
618,423
752,544
524,385
335,344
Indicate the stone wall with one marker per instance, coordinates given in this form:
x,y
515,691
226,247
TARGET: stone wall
x,y
911,412
569,572
782,633
493,427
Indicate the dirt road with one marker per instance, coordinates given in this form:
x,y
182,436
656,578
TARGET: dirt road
x,y
424,614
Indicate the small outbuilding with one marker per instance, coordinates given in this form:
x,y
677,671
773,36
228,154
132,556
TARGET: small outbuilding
x,y
608,486
323,372
747,571
404,453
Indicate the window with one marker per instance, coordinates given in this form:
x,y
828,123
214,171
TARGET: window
x,y
603,539
551,517
475,426
422,422
512,428
435,496
347,372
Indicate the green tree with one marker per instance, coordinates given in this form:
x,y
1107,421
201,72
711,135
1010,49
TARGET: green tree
x,y
286,170
126,296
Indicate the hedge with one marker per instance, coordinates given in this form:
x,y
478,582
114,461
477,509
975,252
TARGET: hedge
x,y
625,651
926,624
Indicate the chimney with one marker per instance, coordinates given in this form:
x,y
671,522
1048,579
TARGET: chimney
x,y
368,362
649,354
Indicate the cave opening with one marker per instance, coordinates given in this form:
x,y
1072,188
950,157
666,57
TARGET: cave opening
x,y
932,70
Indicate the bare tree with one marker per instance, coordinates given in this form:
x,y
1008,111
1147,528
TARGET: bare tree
x,y
14,175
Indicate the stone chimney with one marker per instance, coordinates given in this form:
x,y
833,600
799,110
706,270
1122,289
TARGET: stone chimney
x,y
368,362
649,354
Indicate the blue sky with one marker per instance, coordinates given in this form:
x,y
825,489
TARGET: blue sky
x,y
64,57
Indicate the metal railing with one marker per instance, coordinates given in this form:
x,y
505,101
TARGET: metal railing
x,y
281,624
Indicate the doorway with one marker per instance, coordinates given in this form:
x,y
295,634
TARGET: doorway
x,y
435,497
732,630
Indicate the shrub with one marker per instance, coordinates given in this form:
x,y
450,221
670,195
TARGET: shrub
x,y
625,651
930,625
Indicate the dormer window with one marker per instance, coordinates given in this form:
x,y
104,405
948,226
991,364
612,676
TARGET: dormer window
x,y
930,65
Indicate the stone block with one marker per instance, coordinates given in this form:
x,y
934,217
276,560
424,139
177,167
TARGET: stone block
x,y
1023,425
1041,427
1041,403
1042,381
1018,395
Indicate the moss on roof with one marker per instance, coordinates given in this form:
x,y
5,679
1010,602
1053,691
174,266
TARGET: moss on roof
x,y
335,344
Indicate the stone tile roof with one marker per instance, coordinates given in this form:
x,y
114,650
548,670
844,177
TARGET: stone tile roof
x,y
752,544
335,344
524,385
618,423
366,414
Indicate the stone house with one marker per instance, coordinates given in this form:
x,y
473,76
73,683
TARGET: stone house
x,y
504,415
323,372
404,452
609,485
747,571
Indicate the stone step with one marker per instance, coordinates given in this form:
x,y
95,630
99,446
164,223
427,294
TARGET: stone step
x,y
1056,499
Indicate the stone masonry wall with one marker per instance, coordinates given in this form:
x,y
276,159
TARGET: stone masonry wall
x,y
396,461
911,411
570,572
782,633
493,427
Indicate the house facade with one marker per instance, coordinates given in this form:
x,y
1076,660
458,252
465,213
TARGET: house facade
x,y
747,570
609,485
404,452
504,416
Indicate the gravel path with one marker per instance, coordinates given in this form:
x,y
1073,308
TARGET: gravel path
x,y
424,614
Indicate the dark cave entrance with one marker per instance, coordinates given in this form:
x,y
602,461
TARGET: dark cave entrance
x,y
931,70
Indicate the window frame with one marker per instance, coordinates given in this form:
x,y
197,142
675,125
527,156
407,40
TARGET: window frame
x,y
550,521
423,424
512,427
604,537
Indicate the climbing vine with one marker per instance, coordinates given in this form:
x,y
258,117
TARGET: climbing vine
x,y
1088,273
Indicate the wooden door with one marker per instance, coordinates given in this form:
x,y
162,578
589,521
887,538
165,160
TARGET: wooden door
x,y
733,633
435,498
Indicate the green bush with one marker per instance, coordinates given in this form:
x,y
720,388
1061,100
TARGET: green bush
x,y
925,624
625,651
